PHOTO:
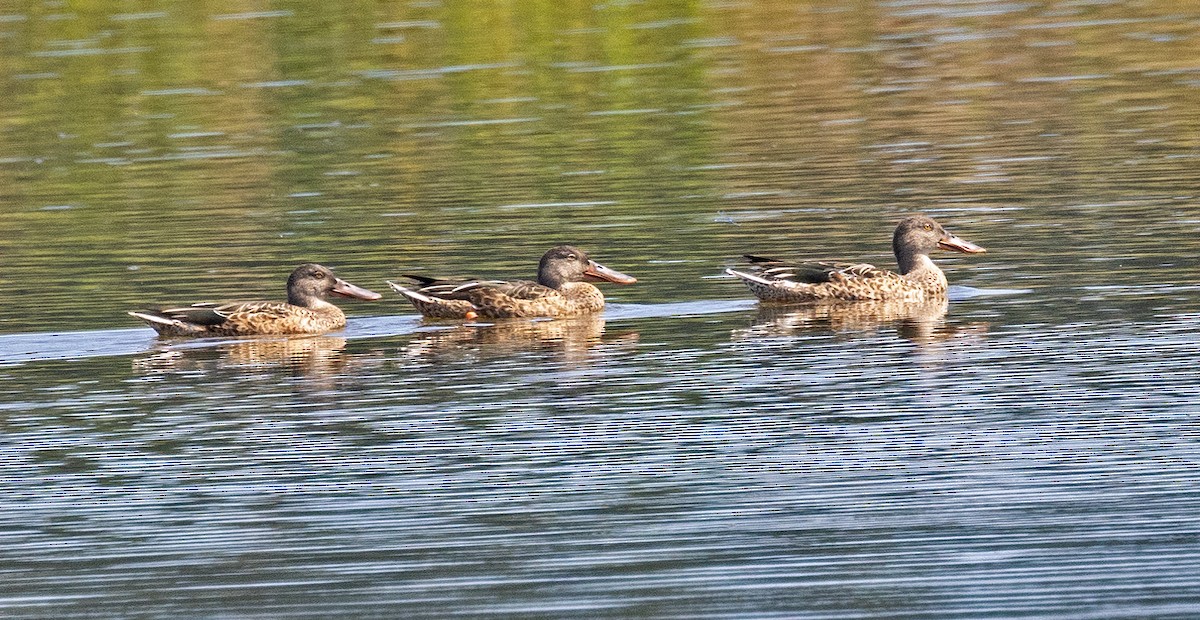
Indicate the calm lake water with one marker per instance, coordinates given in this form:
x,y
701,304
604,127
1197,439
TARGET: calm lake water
x,y
1029,449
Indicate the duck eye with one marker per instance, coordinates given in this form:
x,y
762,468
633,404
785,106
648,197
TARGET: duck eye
x,y
928,226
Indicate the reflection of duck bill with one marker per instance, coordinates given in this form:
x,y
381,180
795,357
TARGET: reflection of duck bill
x,y
927,333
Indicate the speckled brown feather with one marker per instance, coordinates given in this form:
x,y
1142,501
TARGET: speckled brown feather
x,y
500,300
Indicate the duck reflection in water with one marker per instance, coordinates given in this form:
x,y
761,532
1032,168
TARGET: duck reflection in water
x,y
319,356
922,323
572,338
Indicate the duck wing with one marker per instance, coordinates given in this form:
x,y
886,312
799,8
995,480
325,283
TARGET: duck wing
x,y
812,272
212,314
515,289
443,288
199,314
469,289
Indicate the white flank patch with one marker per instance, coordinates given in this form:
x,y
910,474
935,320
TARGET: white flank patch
x,y
410,293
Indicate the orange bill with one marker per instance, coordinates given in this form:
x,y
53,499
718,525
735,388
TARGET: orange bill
x,y
950,242
345,289
599,273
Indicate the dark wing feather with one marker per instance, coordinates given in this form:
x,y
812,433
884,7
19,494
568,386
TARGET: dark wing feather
x,y
456,288
426,281
760,260
420,280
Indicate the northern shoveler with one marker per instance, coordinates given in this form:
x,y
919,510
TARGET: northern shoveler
x,y
562,289
305,311
916,236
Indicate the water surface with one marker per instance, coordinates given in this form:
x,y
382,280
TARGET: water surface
x,y
1027,449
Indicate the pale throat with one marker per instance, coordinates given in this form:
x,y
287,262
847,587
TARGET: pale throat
x,y
316,304
925,273
580,289
921,262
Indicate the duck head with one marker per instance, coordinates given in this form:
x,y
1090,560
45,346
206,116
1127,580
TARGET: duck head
x,y
311,281
566,263
918,235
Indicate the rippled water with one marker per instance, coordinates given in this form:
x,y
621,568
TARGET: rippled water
x,y
1026,450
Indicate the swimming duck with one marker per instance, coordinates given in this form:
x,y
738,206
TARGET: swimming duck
x,y
305,311
919,279
562,289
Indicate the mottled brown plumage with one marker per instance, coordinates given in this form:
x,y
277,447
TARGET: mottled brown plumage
x,y
774,280
561,290
305,311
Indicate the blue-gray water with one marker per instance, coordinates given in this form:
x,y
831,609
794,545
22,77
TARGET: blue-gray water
x,y
1027,450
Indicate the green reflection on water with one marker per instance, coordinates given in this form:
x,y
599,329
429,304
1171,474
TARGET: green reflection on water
x,y
198,151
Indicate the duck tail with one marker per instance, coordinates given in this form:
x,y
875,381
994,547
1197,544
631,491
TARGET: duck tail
x,y
749,277
152,317
411,294
167,325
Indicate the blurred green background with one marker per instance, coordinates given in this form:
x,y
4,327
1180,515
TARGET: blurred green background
x,y
162,152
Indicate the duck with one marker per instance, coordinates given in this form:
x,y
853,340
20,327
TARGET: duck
x,y
919,279
563,289
304,312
